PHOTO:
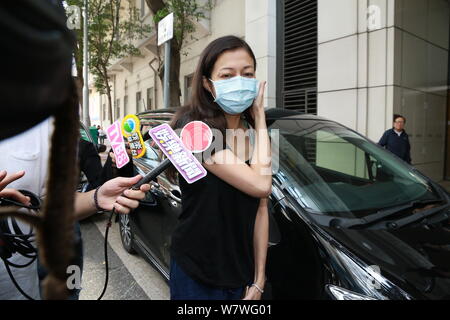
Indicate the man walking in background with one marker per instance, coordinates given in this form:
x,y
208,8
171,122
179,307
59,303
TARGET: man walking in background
x,y
396,140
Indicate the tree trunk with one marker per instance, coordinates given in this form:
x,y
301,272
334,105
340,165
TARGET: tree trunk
x,y
79,83
79,88
79,79
175,62
108,94
155,5
175,90
110,112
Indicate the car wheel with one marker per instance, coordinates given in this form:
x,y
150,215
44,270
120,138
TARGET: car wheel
x,y
126,234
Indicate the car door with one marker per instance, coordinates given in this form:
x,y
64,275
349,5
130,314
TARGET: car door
x,y
172,208
148,219
168,198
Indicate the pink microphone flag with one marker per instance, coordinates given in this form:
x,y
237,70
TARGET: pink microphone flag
x,y
114,134
183,160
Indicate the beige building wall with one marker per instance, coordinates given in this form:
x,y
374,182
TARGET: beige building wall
x,y
421,74
260,33
252,20
133,74
227,18
380,57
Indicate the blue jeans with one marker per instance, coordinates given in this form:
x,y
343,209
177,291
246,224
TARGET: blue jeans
x,y
183,287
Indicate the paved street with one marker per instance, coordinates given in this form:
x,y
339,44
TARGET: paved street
x,y
130,276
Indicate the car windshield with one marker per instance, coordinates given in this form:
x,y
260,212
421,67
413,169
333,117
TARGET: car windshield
x,y
332,170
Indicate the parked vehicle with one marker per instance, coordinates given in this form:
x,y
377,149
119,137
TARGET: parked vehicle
x,y
85,134
348,219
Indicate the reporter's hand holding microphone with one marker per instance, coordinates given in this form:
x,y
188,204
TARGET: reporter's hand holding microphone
x,y
116,194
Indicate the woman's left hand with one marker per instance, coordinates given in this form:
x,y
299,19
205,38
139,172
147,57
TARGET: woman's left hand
x,y
257,109
253,294
110,194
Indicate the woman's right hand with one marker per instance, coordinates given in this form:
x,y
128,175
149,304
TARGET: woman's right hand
x,y
257,110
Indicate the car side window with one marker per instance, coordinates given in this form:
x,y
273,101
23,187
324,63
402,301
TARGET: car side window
x,y
151,153
341,156
151,156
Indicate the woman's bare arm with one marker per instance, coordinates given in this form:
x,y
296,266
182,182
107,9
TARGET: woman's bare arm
x,y
256,179
110,196
260,245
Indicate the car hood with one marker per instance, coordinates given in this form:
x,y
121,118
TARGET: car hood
x,y
416,258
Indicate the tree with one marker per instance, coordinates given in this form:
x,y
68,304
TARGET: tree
x,y
185,13
112,31
74,15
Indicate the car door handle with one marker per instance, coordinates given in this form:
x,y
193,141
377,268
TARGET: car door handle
x,y
155,185
173,203
156,189
173,197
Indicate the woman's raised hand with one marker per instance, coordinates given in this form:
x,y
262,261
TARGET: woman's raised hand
x,y
257,110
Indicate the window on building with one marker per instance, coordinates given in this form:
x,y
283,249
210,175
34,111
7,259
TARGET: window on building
x,y
142,9
125,105
139,102
188,88
297,55
117,108
105,112
150,99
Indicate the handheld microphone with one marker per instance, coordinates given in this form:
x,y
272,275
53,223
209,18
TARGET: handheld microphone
x,y
153,174
196,137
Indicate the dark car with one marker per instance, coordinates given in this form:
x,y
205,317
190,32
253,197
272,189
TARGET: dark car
x,y
348,219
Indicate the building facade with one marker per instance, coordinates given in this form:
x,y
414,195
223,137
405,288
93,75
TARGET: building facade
x,y
357,62
137,88
377,58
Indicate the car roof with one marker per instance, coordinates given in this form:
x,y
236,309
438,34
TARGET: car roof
x,y
271,114
161,114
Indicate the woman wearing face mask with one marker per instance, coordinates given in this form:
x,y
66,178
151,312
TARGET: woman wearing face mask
x,y
220,244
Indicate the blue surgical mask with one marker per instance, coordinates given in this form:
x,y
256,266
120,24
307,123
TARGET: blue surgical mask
x,y
235,95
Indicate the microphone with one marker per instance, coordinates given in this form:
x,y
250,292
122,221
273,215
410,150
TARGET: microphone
x,y
196,137
153,174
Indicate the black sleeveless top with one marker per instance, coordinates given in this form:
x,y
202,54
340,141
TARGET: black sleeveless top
x,y
213,241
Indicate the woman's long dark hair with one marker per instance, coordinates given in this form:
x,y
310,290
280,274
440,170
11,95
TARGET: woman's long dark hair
x,y
202,106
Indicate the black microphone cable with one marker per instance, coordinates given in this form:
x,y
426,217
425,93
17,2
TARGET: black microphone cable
x,y
17,242
22,245
149,177
108,226
7,266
